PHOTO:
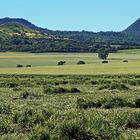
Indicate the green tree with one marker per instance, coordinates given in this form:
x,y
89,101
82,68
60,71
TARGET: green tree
x,y
103,53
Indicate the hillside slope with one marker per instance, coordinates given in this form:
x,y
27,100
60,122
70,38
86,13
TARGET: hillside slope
x,y
22,35
133,29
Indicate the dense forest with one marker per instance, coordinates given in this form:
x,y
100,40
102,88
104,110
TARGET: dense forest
x,y
21,35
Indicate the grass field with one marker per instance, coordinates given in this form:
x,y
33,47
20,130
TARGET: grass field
x,y
47,63
70,107
93,101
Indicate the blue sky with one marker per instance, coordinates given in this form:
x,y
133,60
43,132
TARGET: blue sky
x,y
90,15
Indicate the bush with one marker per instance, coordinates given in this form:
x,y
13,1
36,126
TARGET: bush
x,y
114,103
84,104
76,130
74,90
61,62
11,85
48,90
137,103
54,90
113,86
93,82
118,86
125,61
104,61
81,62
28,66
19,65
60,90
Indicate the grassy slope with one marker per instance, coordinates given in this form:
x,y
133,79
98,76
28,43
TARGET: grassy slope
x,y
47,63
8,30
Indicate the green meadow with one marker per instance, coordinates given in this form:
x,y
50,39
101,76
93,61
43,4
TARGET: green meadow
x,y
69,107
91,101
47,63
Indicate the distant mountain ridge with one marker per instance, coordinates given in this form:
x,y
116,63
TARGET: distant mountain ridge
x,y
133,28
24,22
17,34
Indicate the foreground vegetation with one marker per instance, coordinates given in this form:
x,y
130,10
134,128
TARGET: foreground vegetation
x,y
72,107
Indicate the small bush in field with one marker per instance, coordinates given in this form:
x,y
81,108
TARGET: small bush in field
x,y
55,90
60,90
11,85
93,82
113,86
125,61
84,104
76,130
104,61
19,65
48,90
61,62
74,90
28,66
81,62
114,103
118,86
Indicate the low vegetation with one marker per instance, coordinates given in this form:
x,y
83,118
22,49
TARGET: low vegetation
x,y
49,107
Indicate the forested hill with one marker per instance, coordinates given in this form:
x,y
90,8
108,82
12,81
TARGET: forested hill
x,y
22,35
133,29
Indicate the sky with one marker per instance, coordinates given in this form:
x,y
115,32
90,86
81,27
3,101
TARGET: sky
x,y
74,15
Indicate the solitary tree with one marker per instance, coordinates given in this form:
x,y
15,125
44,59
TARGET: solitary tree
x,y
103,53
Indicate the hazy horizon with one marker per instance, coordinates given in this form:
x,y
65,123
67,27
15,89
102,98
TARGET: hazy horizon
x,y
89,15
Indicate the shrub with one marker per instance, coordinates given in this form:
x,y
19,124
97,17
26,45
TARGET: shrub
x,y
11,85
48,90
125,61
60,90
64,82
113,86
61,62
19,65
114,103
104,61
28,66
76,130
118,86
84,104
93,82
54,90
74,90
137,102
81,62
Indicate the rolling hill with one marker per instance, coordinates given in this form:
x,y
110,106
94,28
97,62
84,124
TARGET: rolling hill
x,y
21,35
